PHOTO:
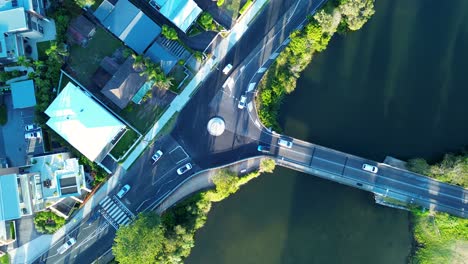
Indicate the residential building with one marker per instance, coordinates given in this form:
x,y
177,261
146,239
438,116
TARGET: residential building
x,y
20,21
81,30
39,185
84,123
182,13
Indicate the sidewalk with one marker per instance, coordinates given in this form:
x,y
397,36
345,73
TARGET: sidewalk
x,y
179,102
35,248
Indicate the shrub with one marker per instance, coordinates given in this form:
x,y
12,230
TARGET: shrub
x,y
245,6
220,3
48,222
169,33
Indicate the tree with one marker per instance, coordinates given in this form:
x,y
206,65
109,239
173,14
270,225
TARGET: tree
x,y
328,22
23,61
169,33
48,222
226,184
206,21
357,12
140,242
418,165
267,165
138,61
57,51
84,3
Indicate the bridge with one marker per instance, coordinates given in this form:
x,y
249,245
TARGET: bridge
x,y
389,183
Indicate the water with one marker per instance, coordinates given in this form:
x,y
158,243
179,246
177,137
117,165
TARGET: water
x,y
397,87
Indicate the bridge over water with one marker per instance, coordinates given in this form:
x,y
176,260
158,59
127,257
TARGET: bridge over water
x,y
390,183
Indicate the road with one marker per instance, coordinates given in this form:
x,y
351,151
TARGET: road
x,y
189,142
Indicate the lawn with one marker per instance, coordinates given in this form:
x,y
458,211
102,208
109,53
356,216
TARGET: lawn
x,y
85,60
124,143
178,73
142,116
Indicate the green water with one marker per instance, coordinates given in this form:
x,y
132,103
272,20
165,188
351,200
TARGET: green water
x,y
397,87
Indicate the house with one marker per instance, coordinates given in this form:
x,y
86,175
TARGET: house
x,y
81,30
124,84
84,123
39,185
20,21
182,13
128,23
23,94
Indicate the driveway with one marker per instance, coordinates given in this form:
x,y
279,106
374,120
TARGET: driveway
x,y
14,145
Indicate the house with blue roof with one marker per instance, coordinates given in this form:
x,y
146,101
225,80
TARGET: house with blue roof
x,y
21,21
182,13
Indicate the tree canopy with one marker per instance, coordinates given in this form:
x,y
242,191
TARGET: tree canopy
x,y
48,222
169,33
356,12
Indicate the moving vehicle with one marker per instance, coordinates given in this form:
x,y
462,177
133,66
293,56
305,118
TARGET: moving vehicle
x,y
370,168
157,155
66,246
227,69
32,135
123,191
264,149
242,102
30,127
184,169
285,143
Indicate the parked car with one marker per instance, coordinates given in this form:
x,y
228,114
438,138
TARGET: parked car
x,y
184,169
66,246
31,135
285,143
242,102
227,69
157,155
30,127
123,191
370,168
264,149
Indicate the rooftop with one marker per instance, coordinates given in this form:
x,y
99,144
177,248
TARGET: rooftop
x,y
9,197
180,12
23,94
83,122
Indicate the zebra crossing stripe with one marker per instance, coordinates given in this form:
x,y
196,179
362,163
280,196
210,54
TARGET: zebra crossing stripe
x,y
126,221
104,201
112,209
121,218
117,214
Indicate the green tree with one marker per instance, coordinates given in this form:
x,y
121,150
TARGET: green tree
x,y
267,165
84,3
226,184
418,165
206,21
140,242
48,222
169,33
356,12
138,61
23,61
328,22
56,52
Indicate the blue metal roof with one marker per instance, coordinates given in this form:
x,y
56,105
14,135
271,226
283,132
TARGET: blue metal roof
x,y
23,94
9,198
160,55
141,33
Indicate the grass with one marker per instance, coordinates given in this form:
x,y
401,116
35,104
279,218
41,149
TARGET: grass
x,y
41,49
85,60
12,230
124,143
441,238
142,116
5,259
167,128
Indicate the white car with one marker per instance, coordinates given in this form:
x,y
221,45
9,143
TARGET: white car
x,y
370,168
285,143
31,135
227,69
30,127
123,191
184,169
242,102
157,156
66,246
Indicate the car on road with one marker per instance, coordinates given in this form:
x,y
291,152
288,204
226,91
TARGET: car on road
x,y
285,143
263,148
70,242
123,191
227,69
242,102
184,169
32,135
30,127
157,155
370,168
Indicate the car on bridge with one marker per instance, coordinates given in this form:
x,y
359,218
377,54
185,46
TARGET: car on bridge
x,y
285,143
66,246
370,168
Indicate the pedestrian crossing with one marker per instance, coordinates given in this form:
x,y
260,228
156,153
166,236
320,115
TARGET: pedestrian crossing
x,y
115,212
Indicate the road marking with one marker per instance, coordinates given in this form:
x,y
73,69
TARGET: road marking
x,y
262,70
242,68
251,87
250,106
257,123
274,55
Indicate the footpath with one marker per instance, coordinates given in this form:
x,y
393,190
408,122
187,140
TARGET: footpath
x,y
30,251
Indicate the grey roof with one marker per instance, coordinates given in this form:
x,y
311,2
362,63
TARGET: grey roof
x,y
159,54
140,33
9,198
23,94
124,84
120,17
104,9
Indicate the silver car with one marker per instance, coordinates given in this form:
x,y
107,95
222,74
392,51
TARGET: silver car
x,y
370,168
184,169
70,242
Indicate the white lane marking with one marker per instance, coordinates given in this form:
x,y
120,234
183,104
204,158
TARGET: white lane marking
x,y
251,87
250,106
262,70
